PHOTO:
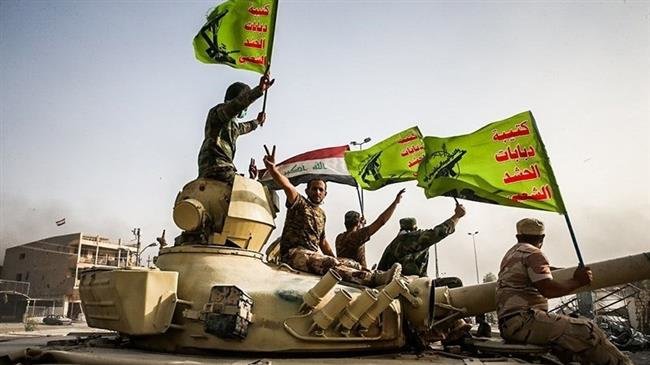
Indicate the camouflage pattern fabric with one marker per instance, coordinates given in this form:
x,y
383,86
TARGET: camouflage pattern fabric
x,y
521,266
570,338
351,245
317,263
221,131
411,249
304,226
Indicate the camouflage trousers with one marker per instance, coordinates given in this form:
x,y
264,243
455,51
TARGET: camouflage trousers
x,y
571,339
220,173
317,263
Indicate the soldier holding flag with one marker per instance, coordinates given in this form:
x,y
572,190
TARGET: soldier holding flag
x,y
222,129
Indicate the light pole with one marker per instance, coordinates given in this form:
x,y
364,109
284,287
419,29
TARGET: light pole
x,y
473,234
140,252
360,191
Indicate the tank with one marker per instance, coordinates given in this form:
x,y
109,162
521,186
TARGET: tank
x,y
215,289
216,293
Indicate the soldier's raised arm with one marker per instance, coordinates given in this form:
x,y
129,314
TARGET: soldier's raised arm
x,y
385,215
242,98
281,180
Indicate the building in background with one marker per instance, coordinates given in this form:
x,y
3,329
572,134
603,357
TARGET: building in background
x,y
51,266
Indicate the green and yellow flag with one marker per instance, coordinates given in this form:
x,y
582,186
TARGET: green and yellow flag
x,y
392,160
502,163
238,33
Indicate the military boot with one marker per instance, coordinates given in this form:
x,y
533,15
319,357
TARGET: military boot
x,y
380,278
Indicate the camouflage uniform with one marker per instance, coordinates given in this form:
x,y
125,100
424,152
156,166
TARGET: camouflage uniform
x,y
221,132
523,315
411,249
304,229
351,245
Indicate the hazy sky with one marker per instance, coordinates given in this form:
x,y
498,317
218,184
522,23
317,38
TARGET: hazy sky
x,y
103,107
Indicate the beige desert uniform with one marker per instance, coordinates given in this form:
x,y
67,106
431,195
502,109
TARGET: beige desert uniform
x,y
523,316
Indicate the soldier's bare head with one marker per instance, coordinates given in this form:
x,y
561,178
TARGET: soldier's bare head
x,y
235,90
530,230
316,190
352,220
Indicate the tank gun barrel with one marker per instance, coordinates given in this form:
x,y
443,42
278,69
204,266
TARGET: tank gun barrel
x,y
476,299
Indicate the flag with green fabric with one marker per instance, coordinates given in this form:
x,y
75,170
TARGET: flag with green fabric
x,y
238,33
392,160
502,163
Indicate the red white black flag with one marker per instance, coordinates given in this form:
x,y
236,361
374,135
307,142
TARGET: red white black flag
x,y
60,222
325,163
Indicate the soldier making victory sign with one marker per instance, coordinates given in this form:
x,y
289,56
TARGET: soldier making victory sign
x,y
222,129
304,234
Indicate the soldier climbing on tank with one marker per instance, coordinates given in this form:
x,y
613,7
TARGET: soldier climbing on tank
x,y
304,234
525,282
222,129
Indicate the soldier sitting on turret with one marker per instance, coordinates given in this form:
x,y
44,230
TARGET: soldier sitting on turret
x,y
304,234
351,243
525,282
222,129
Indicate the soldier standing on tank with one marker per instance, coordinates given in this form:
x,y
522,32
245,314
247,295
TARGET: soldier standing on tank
x,y
222,129
351,243
411,246
525,282
304,234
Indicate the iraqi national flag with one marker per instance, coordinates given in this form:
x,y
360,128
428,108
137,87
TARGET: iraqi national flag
x,y
325,163
60,222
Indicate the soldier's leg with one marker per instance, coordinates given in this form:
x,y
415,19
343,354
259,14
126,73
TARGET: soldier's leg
x,y
590,344
350,263
309,261
564,334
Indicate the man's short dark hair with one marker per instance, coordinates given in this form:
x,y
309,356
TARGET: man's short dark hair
x,y
533,239
317,179
235,90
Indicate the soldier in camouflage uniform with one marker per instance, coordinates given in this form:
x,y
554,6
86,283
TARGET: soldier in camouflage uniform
x,y
222,129
525,282
411,246
304,234
351,243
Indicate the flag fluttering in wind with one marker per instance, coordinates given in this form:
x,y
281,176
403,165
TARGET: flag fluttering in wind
x,y
238,33
324,163
395,159
60,222
502,163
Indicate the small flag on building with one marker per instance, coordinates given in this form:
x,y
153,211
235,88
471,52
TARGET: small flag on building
x,y
60,222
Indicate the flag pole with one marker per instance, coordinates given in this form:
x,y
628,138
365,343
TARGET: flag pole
x,y
266,92
573,239
271,40
559,195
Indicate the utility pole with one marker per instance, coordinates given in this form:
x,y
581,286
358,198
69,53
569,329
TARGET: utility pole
x,y
136,233
360,191
475,256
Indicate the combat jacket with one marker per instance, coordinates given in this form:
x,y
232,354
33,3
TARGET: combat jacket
x,y
523,265
351,245
221,132
411,249
304,226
